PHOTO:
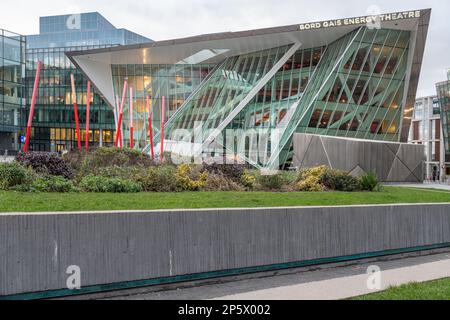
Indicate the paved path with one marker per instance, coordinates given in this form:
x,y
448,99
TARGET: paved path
x,y
346,287
332,283
424,186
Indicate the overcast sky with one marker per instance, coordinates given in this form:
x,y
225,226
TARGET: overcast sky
x,y
166,19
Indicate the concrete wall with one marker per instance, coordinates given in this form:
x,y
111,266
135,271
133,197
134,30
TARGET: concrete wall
x,y
392,162
36,249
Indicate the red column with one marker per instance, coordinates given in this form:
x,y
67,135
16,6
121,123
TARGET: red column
x,y
163,115
75,109
119,122
150,128
33,103
117,115
131,120
88,114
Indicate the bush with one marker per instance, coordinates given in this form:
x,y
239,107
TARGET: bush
x,y
369,182
219,182
49,184
190,178
159,179
272,182
12,174
310,184
248,180
45,162
107,157
339,181
230,171
311,179
93,183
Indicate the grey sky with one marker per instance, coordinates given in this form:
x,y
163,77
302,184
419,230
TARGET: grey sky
x,y
168,19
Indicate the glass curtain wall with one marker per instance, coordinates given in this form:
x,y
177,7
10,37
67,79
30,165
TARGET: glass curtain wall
x,y
352,88
12,72
175,82
443,90
54,120
357,90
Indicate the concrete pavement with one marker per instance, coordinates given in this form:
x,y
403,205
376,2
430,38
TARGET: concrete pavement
x,y
351,286
325,282
437,186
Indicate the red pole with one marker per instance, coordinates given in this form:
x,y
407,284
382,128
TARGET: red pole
x,y
117,115
75,109
88,114
150,129
131,120
33,103
119,122
163,115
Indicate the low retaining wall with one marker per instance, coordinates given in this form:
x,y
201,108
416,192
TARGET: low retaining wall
x,y
122,247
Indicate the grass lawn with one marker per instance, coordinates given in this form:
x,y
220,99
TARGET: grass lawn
x,y
433,290
35,202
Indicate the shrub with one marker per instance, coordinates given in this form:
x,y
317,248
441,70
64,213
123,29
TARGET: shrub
x,y
270,182
93,183
339,181
310,184
50,184
231,171
190,178
219,182
93,162
248,180
369,182
46,162
311,179
106,157
159,179
12,174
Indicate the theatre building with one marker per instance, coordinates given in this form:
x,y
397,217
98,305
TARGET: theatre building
x,y
339,93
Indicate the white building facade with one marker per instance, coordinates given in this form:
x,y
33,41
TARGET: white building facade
x,y
426,129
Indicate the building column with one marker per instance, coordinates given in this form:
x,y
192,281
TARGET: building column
x,y
101,138
16,141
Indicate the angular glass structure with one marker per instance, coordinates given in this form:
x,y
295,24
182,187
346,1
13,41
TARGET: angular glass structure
x,y
349,80
54,123
175,82
12,91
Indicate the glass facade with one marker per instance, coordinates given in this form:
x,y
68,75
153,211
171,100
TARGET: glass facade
x,y
354,87
175,82
443,91
53,123
426,130
12,102
86,29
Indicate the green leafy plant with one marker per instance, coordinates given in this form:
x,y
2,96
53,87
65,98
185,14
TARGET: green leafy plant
x,y
273,182
12,174
52,184
93,183
369,182
338,180
159,179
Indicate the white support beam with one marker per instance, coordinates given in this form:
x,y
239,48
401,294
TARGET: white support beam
x,y
261,83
